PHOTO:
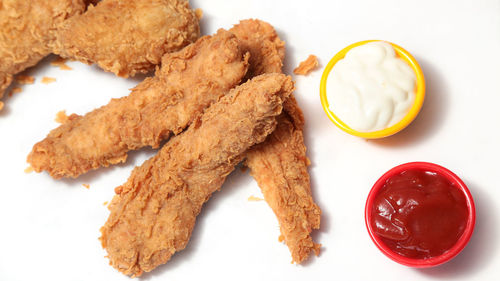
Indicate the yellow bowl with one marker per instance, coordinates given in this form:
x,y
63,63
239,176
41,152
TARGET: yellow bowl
x,y
409,117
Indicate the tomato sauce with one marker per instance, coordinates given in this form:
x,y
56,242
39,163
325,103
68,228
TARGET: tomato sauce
x,y
419,214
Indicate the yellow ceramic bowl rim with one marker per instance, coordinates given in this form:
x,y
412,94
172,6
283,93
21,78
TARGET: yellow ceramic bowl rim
x,y
410,116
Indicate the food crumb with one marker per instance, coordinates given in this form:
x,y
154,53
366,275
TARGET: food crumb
x,y
25,79
243,169
28,170
1,105
48,80
61,117
65,67
281,238
15,90
253,198
61,63
307,66
105,203
86,185
199,13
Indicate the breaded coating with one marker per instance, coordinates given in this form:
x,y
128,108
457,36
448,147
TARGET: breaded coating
x,y
25,79
187,83
280,167
127,37
26,29
154,212
307,66
93,2
266,48
5,80
280,164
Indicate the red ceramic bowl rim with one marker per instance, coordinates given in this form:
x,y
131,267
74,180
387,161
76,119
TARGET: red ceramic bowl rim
x,y
452,252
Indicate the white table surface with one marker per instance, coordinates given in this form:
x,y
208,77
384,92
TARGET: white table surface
x,y
49,228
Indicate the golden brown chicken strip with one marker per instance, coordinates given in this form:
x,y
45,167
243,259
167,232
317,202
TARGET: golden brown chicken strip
x,y
280,163
154,212
128,36
187,83
280,167
26,29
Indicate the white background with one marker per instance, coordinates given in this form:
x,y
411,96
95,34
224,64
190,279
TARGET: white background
x,y
49,228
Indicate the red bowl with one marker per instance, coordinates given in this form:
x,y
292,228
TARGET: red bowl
x,y
429,262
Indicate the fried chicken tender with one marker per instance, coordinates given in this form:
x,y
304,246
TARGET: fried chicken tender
x,y
266,48
187,83
154,212
26,29
280,167
127,37
280,163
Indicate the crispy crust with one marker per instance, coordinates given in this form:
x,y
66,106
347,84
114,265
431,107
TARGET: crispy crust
x,y
26,30
266,48
187,83
279,165
5,80
154,212
127,37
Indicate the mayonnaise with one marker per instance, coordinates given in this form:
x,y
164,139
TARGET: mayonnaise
x,y
371,88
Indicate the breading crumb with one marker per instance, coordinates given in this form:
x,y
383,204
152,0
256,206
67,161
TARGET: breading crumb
x,y
86,185
28,170
281,238
48,80
243,169
61,117
15,90
253,198
199,13
105,203
1,105
61,63
25,79
307,66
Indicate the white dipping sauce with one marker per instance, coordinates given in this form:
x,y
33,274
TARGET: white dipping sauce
x,y
371,88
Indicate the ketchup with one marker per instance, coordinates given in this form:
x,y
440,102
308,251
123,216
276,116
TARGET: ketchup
x,y
419,214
